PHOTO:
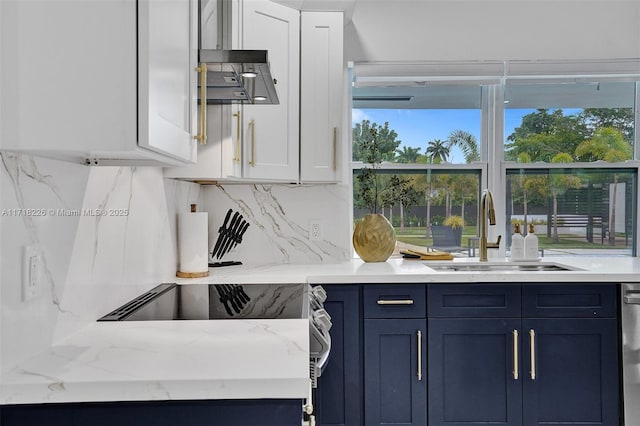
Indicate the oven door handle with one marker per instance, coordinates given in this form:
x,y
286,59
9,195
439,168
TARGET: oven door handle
x,y
632,297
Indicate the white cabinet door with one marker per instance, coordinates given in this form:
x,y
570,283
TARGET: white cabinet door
x,y
321,96
76,85
167,40
271,132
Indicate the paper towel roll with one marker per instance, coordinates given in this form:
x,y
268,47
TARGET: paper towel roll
x,y
193,243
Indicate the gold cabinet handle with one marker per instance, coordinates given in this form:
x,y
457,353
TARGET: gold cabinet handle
x,y
252,124
516,368
419,355
532,344
335,148
236,151
395,302
202,130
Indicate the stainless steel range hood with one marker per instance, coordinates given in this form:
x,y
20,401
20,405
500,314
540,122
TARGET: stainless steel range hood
x,y
238,76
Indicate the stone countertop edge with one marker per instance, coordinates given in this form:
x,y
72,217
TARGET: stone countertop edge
x,y
167,360
398,270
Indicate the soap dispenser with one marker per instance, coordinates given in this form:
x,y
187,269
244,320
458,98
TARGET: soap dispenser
x,y
517,244
531,245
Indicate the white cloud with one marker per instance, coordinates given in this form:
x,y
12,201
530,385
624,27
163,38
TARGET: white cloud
x,y
357,115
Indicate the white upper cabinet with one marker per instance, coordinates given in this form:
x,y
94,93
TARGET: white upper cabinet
x,y
254,142
298,140
321,96
107,82
270,133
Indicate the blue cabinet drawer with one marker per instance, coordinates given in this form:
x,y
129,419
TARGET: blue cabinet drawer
x,y
569,301
474,300
394,301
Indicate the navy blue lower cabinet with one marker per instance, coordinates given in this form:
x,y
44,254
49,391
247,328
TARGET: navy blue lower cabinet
x,y
267,412
339,394
574,379
395,372
474,372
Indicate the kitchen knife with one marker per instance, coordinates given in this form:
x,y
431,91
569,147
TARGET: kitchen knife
x,y
240,292
226,235
232,236
223,299
235,303
243,229
221,232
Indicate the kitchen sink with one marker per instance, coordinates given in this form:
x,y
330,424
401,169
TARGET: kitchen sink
x,y
500,267
171,301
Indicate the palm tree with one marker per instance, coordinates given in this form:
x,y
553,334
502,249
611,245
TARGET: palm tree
x,y
467,143
438,151
607,144
407,154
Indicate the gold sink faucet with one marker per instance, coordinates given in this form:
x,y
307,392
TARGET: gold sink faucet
x,y
486,202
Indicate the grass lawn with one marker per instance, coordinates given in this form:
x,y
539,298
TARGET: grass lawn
x,y
415,236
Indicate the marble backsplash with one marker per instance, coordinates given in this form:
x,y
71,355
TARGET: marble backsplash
x,y
279,218
106,234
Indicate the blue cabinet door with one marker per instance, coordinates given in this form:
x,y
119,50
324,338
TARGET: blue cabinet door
x,y
394,357
575,376
339,393
474,372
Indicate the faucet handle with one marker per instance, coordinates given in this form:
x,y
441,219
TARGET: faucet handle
x,y
496,244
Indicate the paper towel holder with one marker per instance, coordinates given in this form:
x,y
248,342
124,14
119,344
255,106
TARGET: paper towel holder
x,y
195,274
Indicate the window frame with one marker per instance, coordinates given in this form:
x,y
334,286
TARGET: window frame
x,y
492,167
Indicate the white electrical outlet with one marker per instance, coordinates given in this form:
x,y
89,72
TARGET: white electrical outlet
x,y
315,229
31,273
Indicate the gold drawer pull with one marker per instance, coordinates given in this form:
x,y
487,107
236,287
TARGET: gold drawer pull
x,y
419,355
238,147
395,302
532,341
202,130
335,149
252,124
516,368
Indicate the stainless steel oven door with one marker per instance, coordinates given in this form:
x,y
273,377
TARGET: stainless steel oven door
x,y
631,352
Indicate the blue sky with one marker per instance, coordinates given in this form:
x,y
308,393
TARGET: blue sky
x,y
416,127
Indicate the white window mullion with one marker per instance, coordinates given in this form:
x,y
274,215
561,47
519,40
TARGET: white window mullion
x,y
492,155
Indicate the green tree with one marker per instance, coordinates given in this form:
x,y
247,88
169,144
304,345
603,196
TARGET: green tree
x,y
607,144
467,143
407,155
438,151
524,187
401,191
558,184
621,119
544,134
386,140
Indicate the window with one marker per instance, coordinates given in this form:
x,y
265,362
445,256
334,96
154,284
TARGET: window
x,y
575,210
563,133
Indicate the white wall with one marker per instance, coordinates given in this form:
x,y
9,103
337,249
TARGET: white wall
x,y
492,30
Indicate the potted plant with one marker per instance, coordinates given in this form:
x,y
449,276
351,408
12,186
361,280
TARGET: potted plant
x,y
456,223
374,238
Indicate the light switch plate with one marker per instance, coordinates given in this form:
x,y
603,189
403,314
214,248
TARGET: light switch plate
x,y
31,273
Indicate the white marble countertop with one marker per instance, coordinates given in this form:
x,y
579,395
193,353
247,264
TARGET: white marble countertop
x,y
223,359
163,360
398,270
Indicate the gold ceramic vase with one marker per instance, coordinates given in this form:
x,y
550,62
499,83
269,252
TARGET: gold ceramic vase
x,y
374,238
